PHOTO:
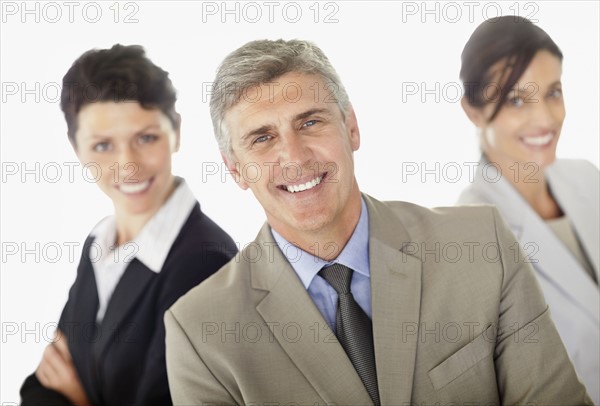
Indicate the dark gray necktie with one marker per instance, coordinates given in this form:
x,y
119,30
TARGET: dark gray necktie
x,y
354,328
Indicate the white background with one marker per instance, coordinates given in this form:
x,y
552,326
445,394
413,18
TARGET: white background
x,y
378,49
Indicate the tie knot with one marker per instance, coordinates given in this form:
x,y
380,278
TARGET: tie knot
x,y
338,276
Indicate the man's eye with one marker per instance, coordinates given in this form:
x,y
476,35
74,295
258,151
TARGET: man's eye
x,y
146,138
310,123
262,139
101,147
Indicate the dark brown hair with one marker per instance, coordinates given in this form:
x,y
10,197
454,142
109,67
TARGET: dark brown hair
x,y
121,73
512,39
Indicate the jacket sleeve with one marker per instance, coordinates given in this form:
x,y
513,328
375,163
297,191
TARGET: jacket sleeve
x,y
190,380
33,393
532,364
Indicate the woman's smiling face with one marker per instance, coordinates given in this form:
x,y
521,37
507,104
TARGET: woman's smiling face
x,y
528,125
131,148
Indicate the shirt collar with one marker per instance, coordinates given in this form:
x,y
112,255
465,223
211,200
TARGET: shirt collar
x,y
355,254
154,241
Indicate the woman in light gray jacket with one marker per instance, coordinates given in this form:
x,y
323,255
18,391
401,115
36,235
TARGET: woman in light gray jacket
x,y
511,71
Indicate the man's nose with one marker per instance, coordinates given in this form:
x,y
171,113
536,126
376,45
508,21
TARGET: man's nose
x,y
293,149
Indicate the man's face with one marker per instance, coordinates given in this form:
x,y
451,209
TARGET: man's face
x,y
293,148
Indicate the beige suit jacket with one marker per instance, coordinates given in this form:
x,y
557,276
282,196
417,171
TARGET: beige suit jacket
x,y
457,317
573,297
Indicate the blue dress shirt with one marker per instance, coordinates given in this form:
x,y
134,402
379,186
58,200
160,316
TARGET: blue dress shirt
x,y
355,255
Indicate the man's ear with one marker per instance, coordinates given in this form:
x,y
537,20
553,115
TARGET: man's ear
x,y
475,114
234,170
352,128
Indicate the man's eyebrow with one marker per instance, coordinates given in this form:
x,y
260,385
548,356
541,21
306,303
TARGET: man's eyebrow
x,y
266,128
311,112
251,133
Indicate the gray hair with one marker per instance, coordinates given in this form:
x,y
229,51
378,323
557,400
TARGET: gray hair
x,y
260,62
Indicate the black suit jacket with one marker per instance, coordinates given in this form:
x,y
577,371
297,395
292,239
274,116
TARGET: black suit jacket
x,y
122,360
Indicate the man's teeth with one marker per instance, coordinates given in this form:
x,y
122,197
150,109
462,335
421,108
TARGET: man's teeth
x,y
538,141
131,188
304,186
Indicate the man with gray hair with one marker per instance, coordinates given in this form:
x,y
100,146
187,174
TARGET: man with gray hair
x,y
343,299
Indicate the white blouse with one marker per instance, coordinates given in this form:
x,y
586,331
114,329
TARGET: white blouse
x,y
564,230
151,246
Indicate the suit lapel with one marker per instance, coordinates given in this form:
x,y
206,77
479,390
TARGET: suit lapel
x,y
395,298
289,309
546,252
86,302
581,207
127,292
550,257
